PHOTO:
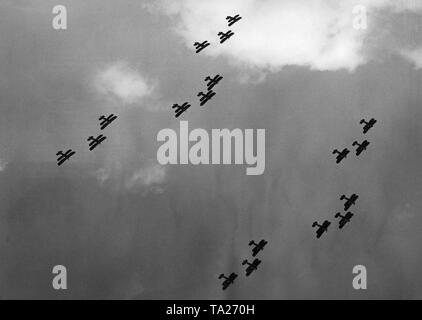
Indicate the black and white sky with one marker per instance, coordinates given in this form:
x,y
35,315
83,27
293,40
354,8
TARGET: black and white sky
x,y
128,228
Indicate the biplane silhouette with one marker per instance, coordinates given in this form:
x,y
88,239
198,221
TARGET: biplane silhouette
x,y
343,219
349,201
106,121
205,96
213,81
233,20
199,46
64,156
361,146
257,246
225,35
251,266
227,280
321,227
179,109
94,142
368,124
341,155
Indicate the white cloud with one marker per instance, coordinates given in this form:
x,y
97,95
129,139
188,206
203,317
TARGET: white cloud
x,y
149,176
120,81
3,164
102,175
413,56
318,34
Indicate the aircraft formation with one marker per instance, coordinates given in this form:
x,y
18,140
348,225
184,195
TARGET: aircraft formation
x,y
204,96
250,266
360,147
344,219
93,142
223,36
208,94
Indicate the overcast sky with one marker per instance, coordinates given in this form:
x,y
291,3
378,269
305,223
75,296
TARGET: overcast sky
x,y
127,227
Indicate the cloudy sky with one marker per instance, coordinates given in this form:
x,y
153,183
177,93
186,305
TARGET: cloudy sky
x,y
128,228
